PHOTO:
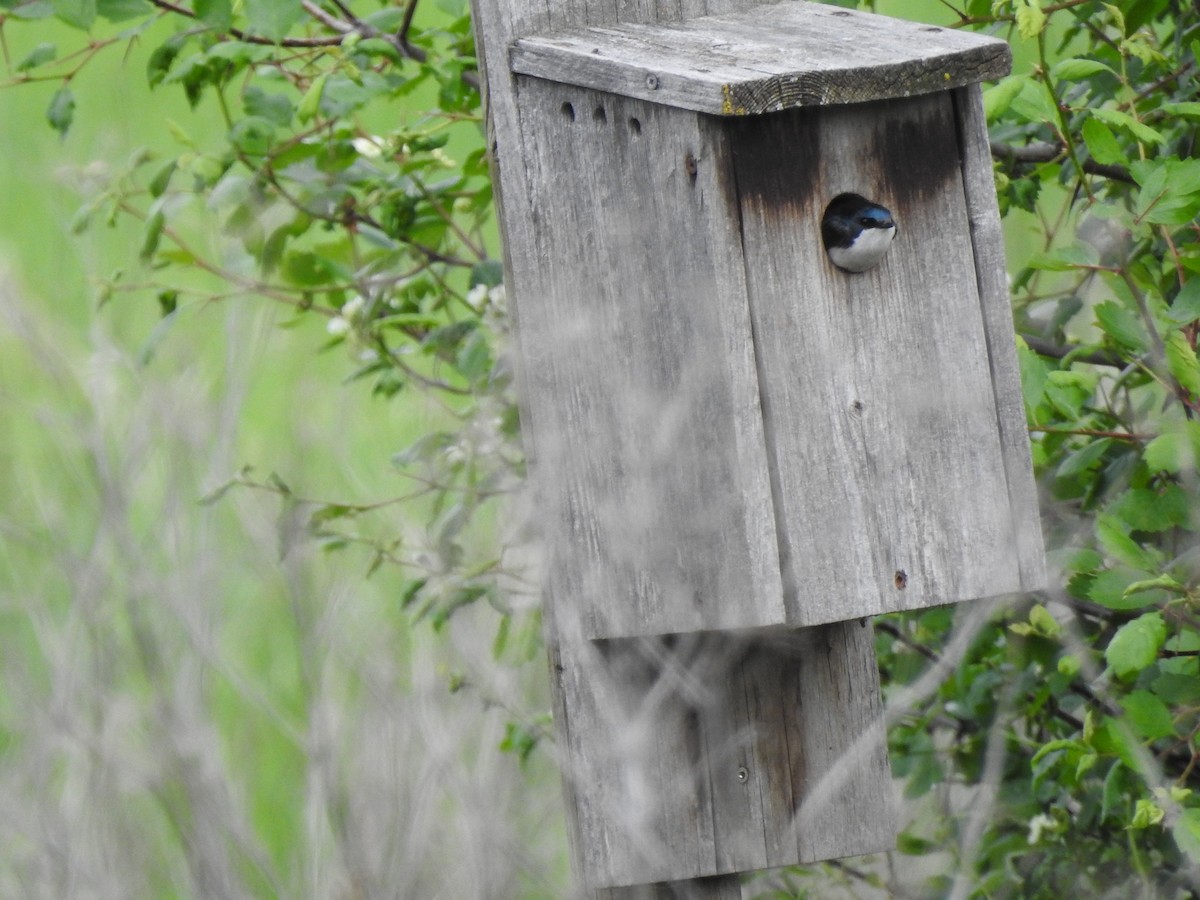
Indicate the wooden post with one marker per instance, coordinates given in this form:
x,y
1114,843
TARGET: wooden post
x,y
741,452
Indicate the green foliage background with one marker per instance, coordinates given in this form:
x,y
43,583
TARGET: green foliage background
x,y
265,633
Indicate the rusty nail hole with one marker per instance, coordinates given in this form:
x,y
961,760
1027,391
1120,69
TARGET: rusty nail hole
x,y
901,579
600,115
635,126
743,774
689,166
652,82
569,111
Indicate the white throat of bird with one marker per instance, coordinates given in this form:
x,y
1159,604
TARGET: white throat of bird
x,y
866,250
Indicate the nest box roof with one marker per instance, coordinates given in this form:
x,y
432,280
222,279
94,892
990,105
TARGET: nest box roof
x,y
772,57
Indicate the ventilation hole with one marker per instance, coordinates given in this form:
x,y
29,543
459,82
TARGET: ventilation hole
x,y
635,126
599,115
569,111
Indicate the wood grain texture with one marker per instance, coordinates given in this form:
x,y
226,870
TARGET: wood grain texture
x,y
890,477
760,58
715,753
639,372
987,241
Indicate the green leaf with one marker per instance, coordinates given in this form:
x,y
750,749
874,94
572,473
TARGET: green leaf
x,y
474,358
253,135
273,19
1066,258
1067,391
275,107
28,9
1083,459
168,301
1148,715
1174,451
164,56
1056,746
1145,814
162,178
61,110
1146,509
1117,544
1102,144
1030,18
1119,323
1182,361
1079,69
1136,644
152,234
309,269
40,54
1118,119
310,103
216,14
1170,189
389,18
123,10
489,273
1033,104
1185,308
1177,689
1189,109
1044,623
1111,589
79,14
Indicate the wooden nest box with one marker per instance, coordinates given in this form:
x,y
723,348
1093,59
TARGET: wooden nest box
x,y
730,435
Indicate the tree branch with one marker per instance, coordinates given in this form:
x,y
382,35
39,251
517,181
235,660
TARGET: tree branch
x,y
1043,347
350,25
1043,152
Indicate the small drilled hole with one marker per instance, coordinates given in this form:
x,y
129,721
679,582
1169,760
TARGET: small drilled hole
x,y
569,111
635,126
599,115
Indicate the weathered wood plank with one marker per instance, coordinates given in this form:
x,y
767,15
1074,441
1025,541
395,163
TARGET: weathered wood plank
x,y
723,753
639,372
762,59
880,411
992,274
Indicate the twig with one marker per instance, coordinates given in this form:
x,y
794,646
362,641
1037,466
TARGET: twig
x,y
1092,432
1044,347
1043,152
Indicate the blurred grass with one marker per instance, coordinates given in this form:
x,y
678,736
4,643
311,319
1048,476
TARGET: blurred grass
x,y
194,702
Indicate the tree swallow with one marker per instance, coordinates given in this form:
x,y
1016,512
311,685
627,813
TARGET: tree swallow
x,y
856,232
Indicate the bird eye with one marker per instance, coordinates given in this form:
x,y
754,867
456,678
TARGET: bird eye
x,y
865,221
